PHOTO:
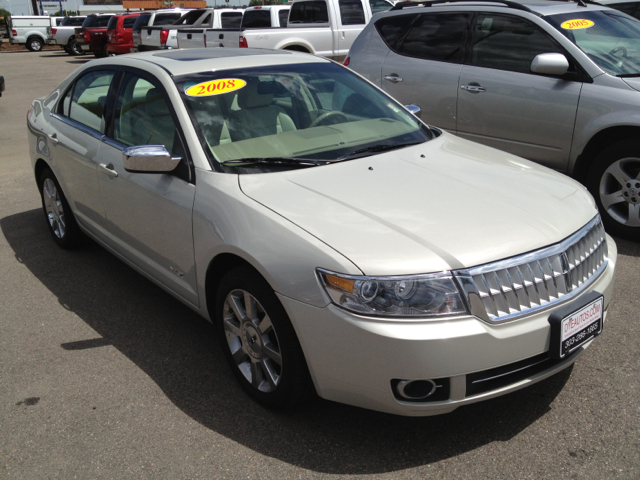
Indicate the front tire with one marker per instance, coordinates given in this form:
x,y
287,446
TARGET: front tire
x,y
35,44
614,181
60,220
259,341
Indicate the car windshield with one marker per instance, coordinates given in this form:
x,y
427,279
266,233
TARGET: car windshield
x,y
319,112
610,38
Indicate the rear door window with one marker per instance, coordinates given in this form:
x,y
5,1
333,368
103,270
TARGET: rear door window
x,y
379,6
393,29
436,36
89,99
351,12
309,12
283,17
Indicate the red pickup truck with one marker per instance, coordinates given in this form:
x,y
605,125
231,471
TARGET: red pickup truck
x,y
92,36
119,33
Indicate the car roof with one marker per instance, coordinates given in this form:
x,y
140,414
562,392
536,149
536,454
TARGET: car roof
x,y
193,60
537,7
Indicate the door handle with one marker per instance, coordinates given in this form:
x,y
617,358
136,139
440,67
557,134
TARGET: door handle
x,y
473,88
108,170
393,78
53,137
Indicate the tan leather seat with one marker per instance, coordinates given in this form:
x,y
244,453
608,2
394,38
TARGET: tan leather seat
x,y
156,127
257,117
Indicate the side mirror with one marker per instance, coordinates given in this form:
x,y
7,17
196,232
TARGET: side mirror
x,y
550,64
414,109
148,159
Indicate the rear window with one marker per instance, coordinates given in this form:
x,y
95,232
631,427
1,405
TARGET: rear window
x,y
113,23
190,18
309,12
231,19
166,18
141,21
256,19
128,22
71,22
89,21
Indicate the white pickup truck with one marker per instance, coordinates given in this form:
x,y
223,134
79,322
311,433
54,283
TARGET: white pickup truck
x,y
267,16
154,18
31,30
321,27
165,37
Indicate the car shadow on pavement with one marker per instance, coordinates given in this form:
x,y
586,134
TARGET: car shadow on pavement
x,y
627,247
178,350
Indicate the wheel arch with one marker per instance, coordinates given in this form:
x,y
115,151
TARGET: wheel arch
x,y
597,144
40,165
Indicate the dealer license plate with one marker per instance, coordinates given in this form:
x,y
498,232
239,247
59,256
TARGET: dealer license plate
x,y
577,328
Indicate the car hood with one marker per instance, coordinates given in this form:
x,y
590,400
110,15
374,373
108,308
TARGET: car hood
x,y
633,82
445,204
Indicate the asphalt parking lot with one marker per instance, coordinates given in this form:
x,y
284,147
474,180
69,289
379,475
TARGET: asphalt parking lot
x,y
103,375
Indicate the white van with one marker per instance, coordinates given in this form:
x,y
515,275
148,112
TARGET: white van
x,y
29,30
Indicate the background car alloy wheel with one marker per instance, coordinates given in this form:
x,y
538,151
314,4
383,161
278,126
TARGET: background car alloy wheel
x,y
620,191
54,209
252,340
614,181
75,48
259,341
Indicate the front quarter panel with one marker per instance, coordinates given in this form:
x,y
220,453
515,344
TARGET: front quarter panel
x,y
225,220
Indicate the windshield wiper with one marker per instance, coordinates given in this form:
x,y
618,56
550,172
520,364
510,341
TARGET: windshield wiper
x,y
284,161
628,75
382,147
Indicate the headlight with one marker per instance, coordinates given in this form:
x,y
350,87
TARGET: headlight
x,y
411,296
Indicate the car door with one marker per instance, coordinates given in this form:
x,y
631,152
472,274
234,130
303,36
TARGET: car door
x,y
424,63
503,105
149,215
79,124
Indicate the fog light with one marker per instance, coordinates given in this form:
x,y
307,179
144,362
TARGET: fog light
x,y
416,389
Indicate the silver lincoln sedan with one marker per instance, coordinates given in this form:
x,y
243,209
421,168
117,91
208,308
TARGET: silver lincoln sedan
x,y
339,245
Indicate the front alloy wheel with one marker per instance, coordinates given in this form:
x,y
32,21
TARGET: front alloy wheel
x,y
259,341
252,340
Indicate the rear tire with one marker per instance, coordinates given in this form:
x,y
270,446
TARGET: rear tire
x,y
60,220
259,341
614,181
35,44
75,48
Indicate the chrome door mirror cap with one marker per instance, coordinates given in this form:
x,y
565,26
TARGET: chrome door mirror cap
x,y
148,159
550,64
414,109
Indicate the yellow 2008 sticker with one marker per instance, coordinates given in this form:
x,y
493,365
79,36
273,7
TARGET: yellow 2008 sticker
x,y
215,87
577,24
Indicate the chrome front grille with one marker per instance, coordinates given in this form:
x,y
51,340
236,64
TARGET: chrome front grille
x,y
516,286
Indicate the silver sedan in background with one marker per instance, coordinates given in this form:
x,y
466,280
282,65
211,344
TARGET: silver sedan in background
x,y
339,244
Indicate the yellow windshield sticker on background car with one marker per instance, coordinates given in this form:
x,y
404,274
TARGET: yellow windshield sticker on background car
x,y
215,87
577,24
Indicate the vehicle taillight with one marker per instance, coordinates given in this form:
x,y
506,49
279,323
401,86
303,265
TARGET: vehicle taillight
x,y
164,35
53,31
14,33
119,38
346,61
29,112
87,37
243,42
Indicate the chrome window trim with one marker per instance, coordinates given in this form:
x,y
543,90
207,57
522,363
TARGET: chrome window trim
x,y
472,295
73,123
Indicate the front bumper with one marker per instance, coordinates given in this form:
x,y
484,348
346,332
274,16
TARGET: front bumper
x,y
353,359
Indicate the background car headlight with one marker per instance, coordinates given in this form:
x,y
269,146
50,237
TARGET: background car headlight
x,y
402,296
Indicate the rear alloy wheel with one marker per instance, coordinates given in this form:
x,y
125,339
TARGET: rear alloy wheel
x,y
60,219
34,44
614,181
259,341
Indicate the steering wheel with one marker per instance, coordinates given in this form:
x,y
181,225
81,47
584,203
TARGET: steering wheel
x,y
619,49
324,116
